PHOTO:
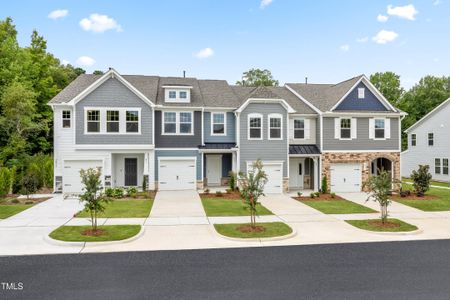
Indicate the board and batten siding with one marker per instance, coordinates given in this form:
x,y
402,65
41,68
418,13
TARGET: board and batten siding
x,y
362,142
230,129
178,141
310,126
178,153
112,93
265,149
439,124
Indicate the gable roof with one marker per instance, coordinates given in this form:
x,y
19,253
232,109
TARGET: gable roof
x,y
428,115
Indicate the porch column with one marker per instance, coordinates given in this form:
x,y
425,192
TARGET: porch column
x,y
233,161
150,169
316,173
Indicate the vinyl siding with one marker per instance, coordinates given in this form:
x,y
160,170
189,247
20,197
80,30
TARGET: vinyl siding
x,y
251,150
369,103
178,141
63,138
362,142
230,136
112,93
422,154
179,153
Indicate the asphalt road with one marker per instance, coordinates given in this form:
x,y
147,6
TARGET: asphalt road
x,y
394,270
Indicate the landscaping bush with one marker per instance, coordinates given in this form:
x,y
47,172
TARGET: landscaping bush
x,y
109,192
219,194
48,172
206,191
229,191
312,195
144,183
233,180
324,185
5,181
421,178
30,183
405,191
15,201
299,194
317,194
333,195
118,192
132,192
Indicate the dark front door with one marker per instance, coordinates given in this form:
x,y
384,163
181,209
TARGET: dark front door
x,y
130,171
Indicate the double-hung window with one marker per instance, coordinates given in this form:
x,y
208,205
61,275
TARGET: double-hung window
x,y
299,129
275,127
413,139
183,94
66,118
132,121
430,139
93,121
218,124
185,122
172,94
112,121
379,128
445,166
437,166
255,127
170,122
346,128
177,123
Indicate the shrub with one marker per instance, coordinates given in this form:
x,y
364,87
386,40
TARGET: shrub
x,y
30,183
299,194
16,201
48,172
219,194
312,195
324,184
421,178
405,191
229,191
109,192
233,181
5,181
317,194
206,191
118,192
132,191
144,183
36,169
29,202
333,195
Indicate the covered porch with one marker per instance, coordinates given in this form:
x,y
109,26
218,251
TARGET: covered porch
x,y
304,168
129,169
219,159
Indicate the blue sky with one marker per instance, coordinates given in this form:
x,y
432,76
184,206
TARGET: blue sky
x,y
328,41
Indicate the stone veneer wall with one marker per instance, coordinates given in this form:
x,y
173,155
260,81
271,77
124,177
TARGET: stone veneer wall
x,y
285,184
365,158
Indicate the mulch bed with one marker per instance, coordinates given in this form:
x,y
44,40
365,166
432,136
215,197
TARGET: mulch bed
x,y
91,232
320,198
232,195
379,224
413,196
8,200
249,228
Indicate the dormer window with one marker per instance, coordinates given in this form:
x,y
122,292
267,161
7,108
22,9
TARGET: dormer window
x,y
361,93
177,94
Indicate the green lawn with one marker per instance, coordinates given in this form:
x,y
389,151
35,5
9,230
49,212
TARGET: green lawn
x,y
364,224
113,233
220,207
337,206
437,183
272,229
123,209
7,211
442,203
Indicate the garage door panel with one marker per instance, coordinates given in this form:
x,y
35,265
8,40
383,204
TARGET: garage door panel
x,y
345,177
274,173
177,174
71,174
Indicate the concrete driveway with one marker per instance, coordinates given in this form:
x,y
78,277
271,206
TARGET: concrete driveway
x,y
177,204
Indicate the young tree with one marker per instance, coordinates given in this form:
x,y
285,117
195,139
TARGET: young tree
x,y
324,185
93,200
257,77
30,183
380,188
421,178
252,188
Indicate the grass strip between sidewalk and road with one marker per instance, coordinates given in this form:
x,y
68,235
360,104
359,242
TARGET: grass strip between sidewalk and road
x,y
272,229
392,225
111,233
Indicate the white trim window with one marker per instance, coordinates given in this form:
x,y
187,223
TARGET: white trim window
x,y
112,121
65,114
218,123
437,166
346,128
361,93
299,129
177,123
380,128
132,121
275,131
93,121
177,95
183,95
430,139
255,123
172,94
445,166
413,139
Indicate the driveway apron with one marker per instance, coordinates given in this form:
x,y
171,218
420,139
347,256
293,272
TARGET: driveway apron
x,y
177,204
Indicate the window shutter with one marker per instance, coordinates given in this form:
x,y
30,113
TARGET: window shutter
x,y
387,128
291,129
371,129
354,129
307,129
337,128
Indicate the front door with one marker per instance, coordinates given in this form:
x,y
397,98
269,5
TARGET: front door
x,y
130,171
214,169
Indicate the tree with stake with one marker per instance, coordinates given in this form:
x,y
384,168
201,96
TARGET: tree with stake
x,y
252,188
93,200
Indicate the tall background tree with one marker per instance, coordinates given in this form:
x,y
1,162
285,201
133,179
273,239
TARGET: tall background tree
x,y
257,77
388,83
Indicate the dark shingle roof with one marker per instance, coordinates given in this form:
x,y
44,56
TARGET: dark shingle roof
x,y
74,88
196,96
217,93
303,149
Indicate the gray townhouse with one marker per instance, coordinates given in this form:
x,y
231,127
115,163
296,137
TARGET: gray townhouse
x,y
179,133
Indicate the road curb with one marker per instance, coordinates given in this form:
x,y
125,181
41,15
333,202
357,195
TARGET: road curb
x,y
268,239
54,242
400,233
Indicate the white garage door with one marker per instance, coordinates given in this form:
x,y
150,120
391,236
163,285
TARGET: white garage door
x,y
345,177
71,174
274,173
177,174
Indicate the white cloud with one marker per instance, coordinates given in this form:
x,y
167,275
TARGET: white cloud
x,y
345,48
437,2
85,61
57,14
205,53
99,23
382,18
363,39
408,12
265,3
385,36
